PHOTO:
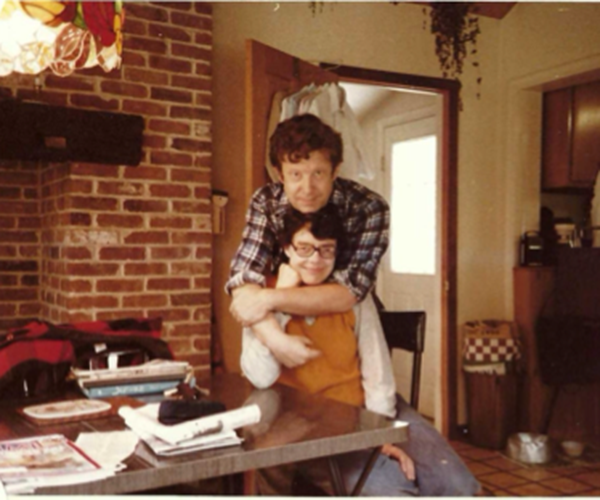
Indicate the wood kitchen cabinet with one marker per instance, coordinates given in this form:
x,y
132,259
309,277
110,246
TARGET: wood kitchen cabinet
x,y
571,137
576,413
532,288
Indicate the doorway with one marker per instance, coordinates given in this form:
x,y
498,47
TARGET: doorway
x,y
401,131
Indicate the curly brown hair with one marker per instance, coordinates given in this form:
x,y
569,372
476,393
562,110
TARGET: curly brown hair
x,y
295,138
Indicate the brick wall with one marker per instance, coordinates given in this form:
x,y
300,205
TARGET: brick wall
x,y
82,241
19,242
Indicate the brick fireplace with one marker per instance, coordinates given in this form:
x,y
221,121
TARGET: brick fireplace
x,y
82,241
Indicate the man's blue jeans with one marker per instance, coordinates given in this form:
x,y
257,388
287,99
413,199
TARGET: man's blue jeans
x,y
440,471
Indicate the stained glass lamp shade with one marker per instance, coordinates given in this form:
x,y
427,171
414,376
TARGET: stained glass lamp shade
x,y
60,36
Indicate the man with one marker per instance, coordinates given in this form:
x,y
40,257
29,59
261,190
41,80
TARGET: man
x,y
307,154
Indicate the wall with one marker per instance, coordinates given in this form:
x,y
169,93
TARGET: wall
x,y
19,243
87,241
392,38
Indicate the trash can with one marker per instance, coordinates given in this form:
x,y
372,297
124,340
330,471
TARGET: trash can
x,y
490,356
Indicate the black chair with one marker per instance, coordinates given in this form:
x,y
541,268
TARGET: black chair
x,y
406,330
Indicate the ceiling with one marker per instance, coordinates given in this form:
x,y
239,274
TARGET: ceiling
x,y
497,10
363,98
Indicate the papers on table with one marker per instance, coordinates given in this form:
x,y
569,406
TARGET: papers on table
x,y
163,449
203,433
109,449
53,460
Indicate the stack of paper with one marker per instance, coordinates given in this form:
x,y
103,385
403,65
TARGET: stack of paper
x,y
214,431
30,463
155,376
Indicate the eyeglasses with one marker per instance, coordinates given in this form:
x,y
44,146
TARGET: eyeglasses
x,y
305,250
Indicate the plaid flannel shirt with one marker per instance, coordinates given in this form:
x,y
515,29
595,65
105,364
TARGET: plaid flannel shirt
x,y
366,220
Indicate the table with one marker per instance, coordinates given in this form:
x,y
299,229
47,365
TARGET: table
x,y
294,426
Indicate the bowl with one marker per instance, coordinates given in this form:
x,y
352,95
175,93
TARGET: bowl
x,y
565,232
573,448
529,448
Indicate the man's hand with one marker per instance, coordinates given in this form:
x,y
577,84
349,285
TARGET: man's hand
x,y
291,350
287,277
404,461
249,304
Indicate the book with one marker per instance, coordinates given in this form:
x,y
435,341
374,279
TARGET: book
x,y
52,460
128,389
85,384
152,371
145,420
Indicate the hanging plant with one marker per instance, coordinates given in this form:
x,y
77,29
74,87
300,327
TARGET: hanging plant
x,y
455,28
317,5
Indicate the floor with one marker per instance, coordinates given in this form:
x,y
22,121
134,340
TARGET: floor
x,y
502,476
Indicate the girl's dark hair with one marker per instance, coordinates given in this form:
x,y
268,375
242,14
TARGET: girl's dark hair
x,y
294,139
325,224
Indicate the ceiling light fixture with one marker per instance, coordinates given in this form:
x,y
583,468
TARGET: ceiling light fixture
x,y
61,36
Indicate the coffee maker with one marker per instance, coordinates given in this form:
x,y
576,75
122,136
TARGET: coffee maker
x,y
531,249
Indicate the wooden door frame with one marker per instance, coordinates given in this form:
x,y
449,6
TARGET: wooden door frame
x,y
449,90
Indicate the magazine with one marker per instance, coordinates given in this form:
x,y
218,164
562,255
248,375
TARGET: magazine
x,y
45,461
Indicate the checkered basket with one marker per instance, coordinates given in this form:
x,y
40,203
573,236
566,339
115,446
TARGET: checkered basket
x,y
490,341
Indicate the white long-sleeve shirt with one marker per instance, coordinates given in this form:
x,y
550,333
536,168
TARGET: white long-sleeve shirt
x,y
262,369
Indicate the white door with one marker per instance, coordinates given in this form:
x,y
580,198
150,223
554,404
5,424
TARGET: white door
x,y
410,277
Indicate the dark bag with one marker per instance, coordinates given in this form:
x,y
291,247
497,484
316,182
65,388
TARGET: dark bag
x,y
568,349
36,359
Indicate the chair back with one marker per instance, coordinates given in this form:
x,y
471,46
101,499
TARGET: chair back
x,y
406,330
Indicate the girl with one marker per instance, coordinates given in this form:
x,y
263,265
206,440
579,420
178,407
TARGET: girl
x,y
353,367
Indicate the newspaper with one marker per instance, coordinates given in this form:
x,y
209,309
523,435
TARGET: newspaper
x,y
193,433
29,463
207,442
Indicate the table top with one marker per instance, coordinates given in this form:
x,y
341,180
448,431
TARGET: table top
x,y
294,426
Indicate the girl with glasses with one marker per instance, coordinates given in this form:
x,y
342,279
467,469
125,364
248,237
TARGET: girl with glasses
x,y
351,365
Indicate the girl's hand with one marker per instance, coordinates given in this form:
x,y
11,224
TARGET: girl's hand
x,y
292,350
287,277
404,461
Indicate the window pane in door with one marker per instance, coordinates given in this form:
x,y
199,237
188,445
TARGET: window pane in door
x,y
413,206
